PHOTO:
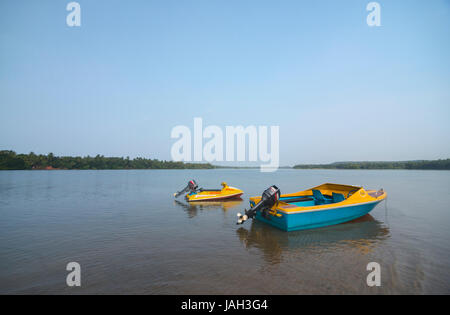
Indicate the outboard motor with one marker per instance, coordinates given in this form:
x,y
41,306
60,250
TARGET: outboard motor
x,y
191,187
268,199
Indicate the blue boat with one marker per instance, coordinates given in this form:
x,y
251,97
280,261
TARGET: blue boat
x,y
320,206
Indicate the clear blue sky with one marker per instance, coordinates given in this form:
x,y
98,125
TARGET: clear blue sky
x,y
338,89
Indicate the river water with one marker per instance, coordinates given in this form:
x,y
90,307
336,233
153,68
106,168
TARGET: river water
x,y
130,236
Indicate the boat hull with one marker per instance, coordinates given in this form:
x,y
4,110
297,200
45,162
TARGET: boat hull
x,y
214,198
304,220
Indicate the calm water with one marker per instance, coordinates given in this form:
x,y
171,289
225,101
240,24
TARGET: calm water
x,y
130,236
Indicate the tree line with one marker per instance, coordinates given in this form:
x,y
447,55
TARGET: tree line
x,y
443,164
9,160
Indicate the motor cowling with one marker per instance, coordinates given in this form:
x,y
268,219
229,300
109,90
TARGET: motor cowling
x,y
269,198
190,187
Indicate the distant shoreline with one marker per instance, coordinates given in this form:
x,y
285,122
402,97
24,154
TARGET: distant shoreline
x,y
225,168
9,160
442,164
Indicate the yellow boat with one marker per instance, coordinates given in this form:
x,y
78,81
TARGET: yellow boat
x,y
195,194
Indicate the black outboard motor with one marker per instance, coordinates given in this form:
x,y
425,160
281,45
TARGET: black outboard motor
x,y
191,187
269,198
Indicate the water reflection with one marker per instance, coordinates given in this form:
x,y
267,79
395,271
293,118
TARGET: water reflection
x,y
193,208
361,234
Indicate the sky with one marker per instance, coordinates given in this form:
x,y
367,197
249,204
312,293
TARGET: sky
x,y
338,89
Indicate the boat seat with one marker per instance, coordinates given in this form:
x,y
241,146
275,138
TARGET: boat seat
x,y
338,197
320,199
